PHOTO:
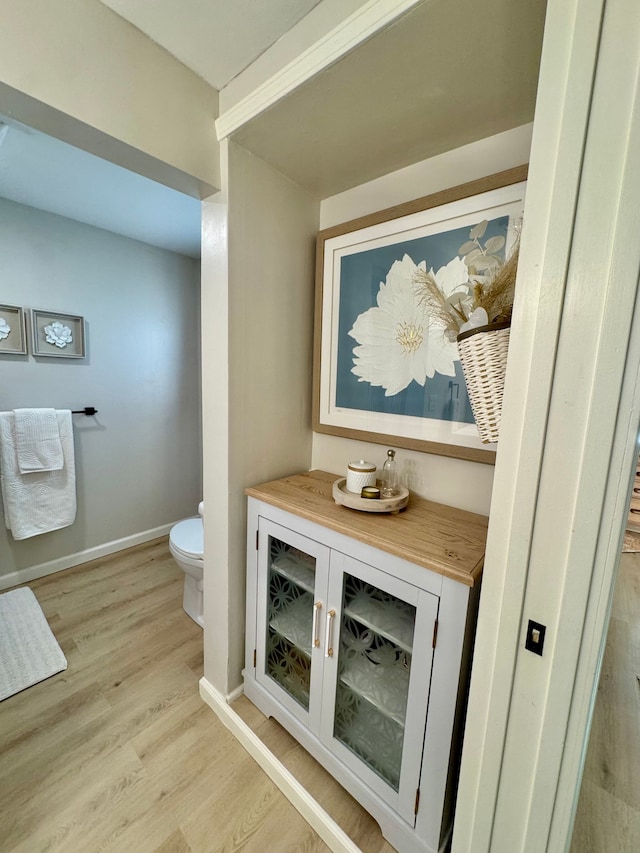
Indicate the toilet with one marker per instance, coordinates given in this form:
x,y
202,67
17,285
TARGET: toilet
x,y
186,543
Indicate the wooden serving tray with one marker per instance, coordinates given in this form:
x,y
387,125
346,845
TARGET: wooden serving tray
x,y
353,501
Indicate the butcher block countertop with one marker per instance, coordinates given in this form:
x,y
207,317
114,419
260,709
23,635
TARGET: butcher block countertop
x,y
442,538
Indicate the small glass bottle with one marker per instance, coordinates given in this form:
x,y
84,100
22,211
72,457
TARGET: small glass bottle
x,y
389,477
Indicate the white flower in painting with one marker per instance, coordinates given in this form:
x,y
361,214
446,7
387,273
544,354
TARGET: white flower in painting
x,y
58,334
398,340
5,328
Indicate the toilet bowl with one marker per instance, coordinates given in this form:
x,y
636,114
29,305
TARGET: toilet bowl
x,y
186,543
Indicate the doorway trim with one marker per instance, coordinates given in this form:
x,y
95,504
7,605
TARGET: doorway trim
x,y
563,469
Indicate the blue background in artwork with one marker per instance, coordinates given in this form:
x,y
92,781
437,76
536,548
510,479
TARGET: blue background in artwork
x,y
442,397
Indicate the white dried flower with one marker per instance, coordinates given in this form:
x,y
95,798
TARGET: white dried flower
x,y
58,334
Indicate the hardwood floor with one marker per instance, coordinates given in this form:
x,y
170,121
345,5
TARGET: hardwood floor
x,y
608,817
345,811
119,754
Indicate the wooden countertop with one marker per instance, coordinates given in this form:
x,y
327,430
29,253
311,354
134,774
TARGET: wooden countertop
x,y
442,538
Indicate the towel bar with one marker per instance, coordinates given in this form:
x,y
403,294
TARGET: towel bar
x,y
88,410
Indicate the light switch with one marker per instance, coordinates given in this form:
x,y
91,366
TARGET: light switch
x,y
535,637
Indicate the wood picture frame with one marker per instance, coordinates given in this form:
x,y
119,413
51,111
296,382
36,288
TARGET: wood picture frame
x,y
13,330
57,335
388,389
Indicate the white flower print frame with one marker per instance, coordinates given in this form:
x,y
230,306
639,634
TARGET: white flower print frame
x,y
13,339
384,371
57,335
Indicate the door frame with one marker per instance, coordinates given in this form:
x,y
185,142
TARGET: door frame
x,y
570,421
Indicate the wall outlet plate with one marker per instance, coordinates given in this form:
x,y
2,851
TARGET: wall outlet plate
x,y
535,637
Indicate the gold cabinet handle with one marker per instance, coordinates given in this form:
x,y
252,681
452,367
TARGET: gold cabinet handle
x,y
317,607
328,648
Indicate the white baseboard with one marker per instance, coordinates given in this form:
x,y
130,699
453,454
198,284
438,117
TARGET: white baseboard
x,y
333,835
33,572
234,694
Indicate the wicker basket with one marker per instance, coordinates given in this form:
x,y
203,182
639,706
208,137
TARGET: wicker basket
x,y
483,354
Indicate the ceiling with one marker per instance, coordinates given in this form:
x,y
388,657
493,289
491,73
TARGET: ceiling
x,y
448,73
45,173
443,75
212,38
215,38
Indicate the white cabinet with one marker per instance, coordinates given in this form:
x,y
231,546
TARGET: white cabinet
x,y
346,647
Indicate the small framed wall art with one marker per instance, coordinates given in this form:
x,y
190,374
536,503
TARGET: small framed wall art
x,y
13,338
57,335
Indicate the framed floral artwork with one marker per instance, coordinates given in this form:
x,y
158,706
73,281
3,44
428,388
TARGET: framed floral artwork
x,y
57,335
13,339
385,369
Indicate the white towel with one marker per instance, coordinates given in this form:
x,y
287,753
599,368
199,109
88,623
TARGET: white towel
x,y
38,442
42,501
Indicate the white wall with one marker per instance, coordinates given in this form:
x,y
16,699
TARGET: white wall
x,y
138,461
99,72
451,481
257,310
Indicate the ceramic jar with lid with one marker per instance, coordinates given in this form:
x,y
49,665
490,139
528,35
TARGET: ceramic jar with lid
x,y
359,475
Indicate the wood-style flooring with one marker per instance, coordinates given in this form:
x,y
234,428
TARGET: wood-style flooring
x,y
345,811
608,816
119,754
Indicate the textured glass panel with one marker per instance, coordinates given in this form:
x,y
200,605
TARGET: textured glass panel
x,y
290,618
374,664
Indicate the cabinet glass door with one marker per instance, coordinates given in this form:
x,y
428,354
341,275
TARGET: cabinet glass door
x,y
293,618
290,616
374,664
381,675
